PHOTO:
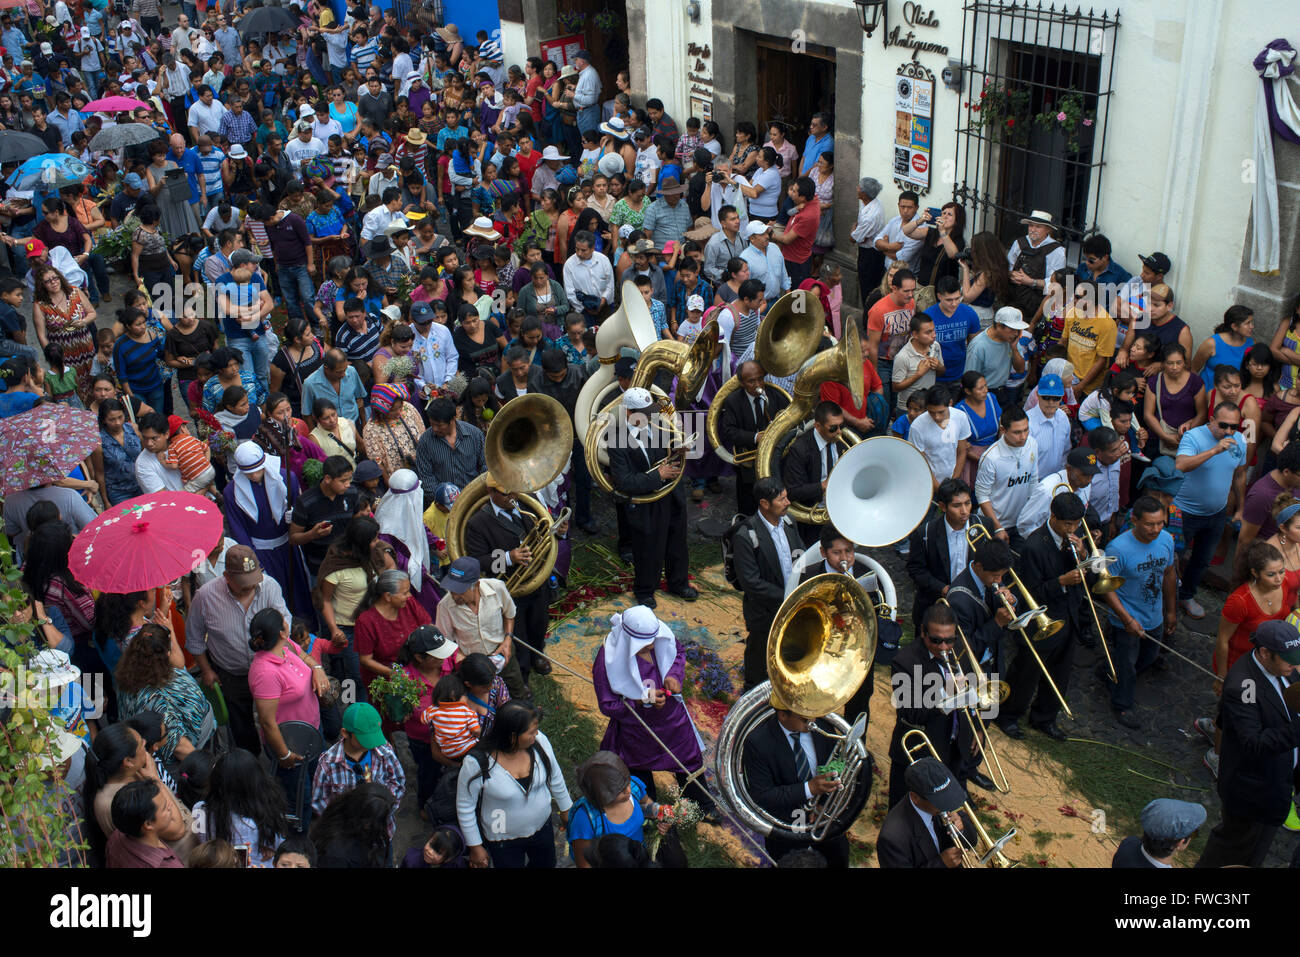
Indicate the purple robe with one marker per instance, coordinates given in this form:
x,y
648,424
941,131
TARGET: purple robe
x,y
628,739
428,594
708,465
282,562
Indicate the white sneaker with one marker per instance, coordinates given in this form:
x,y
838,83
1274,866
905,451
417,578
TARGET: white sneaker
x,y
1211,762
903,547
1206,727
1192,608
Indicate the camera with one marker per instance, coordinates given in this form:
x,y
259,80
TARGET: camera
x,y
964,256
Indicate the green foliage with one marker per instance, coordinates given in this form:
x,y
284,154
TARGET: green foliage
x,y
116,244
396,695
1069,116
33,832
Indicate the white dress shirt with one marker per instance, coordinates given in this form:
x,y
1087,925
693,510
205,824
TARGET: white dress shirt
x,y
928,819
781,544
957,548
893,233
593,275
768,267
806,744
379,219
871,220
1039,506
1104,491
1053,438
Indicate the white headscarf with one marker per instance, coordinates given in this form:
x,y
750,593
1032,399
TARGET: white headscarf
x,y
631,632
400,513
250,457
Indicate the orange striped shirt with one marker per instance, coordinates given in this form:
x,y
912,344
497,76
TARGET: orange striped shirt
x,y
455,727
188,454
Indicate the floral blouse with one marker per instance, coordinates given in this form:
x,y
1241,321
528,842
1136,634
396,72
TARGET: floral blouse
x,y
392,446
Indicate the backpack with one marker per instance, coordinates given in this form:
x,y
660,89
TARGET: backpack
x,y
441,807
729,549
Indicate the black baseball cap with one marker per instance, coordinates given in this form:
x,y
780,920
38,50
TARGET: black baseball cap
x,y
1280,637
1157,262
931,780
1085,460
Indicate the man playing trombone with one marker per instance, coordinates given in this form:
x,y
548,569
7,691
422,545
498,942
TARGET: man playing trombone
x,y
923,828
1048,566
925,697
1146,601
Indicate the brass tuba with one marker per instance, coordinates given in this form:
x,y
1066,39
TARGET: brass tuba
x,y
527,445
841,364
787,337
819,651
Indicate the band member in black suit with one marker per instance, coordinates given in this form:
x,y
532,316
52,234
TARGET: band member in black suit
x,y
1168,826
807,467
974,598
744,416
781,759
638,466
924,697
493,535
837,549
1050,573
1257,758
766,546
624,367
938,550
914,833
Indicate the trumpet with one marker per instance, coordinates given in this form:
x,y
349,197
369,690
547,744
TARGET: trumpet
x,y
987,694
983,851
1088,564
1098,562
1035,615
676,454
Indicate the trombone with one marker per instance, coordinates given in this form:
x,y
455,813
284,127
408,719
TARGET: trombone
x,y
983,851
1098,562
987,694
1035,615
676,453
1090,563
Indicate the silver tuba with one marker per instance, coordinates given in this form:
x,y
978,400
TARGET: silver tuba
x,y
632,327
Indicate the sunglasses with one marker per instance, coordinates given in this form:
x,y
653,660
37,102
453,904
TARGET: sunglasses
x,y
833,428
942,641
1232,426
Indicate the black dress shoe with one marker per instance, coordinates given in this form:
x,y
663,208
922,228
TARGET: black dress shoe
x,y
648,602
626,557
542,666
591,528
689,593
1051,729
1088,639
982,781
1011,729
1127,719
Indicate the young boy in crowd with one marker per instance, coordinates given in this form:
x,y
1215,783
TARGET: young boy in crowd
x,y
455,724
902,426
190,457
941,435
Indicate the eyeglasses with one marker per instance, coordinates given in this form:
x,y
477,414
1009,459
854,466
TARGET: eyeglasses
x,y
833,428
1232,426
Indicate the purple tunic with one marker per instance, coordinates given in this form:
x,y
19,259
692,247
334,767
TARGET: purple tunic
x,y
428,594
628,739
282,562
707,465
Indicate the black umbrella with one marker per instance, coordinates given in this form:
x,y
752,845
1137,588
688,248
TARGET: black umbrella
x,y
16,146
267,20
123,134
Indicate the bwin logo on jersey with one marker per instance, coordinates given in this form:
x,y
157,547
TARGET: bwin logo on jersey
x,y
1020,480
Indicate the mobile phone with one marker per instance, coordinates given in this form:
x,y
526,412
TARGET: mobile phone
x,y
934,211
241,854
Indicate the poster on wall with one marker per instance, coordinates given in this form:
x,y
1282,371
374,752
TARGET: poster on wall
x,y
701,109
562,50
913,127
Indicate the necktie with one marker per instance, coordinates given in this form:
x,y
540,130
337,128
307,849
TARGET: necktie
x,y
829,463
760,411
801,767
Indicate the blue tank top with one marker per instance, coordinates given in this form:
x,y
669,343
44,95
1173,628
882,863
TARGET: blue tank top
x,y
1224,354
983,431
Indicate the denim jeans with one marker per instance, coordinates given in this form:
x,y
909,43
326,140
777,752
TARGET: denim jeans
x,y
9,348
94,81
298,290
1132,656
152,397
257,354
1202,534
98,271
535,851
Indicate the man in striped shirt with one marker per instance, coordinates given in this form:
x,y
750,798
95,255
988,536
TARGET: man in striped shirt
x,y
364,50
210,159
358,337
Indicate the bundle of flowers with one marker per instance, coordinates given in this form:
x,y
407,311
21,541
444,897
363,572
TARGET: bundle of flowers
x,y
681,812
220,439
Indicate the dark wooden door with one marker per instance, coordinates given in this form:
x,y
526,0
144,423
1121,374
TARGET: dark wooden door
x,y
792,87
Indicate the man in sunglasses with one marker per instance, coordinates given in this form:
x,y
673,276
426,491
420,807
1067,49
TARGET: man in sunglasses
x,y
807,468
1211,457
924,697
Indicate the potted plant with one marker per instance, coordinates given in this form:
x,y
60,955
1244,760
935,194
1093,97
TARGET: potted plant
x,y
1004,110
397,695
1067,117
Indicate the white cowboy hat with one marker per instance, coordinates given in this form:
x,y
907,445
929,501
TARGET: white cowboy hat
x,y
1039,218
551,153
615,127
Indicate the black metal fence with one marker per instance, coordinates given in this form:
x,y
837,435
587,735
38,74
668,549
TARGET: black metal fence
x,y
1032,126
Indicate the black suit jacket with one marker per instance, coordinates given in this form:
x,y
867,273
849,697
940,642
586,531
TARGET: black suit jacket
x,y
504,387
802,470
905,841
1129,854
974,617
769,768
1256,776
1040,565
737,428
487,535
627,471
860,568
928,559
917,680
759,567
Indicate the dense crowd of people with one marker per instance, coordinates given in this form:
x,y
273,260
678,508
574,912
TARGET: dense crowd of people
x,y
350,243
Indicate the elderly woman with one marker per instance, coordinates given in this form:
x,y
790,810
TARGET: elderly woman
x,y
393,430
286,437
612,802
385,619
401,524
641,667
258,511
151,677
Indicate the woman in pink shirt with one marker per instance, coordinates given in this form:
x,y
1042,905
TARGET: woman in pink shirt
x,y
285,681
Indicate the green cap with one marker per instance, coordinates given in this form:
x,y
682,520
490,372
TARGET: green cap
x,y
363,722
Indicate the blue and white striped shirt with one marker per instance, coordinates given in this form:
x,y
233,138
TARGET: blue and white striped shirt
x,y
364,55
211,166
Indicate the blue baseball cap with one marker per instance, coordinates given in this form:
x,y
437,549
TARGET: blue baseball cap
x,y
421,313
1051,386
462,575
1168,820
133,181
446,493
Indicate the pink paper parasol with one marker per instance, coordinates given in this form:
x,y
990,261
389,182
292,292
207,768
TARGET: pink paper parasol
x,y
43,445
114,104
145,542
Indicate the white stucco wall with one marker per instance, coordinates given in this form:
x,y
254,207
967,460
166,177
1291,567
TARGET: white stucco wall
x,y
667,36
514,43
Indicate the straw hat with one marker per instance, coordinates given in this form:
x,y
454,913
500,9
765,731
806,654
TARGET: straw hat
x,y
482,228
416,137
450,33
568,70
